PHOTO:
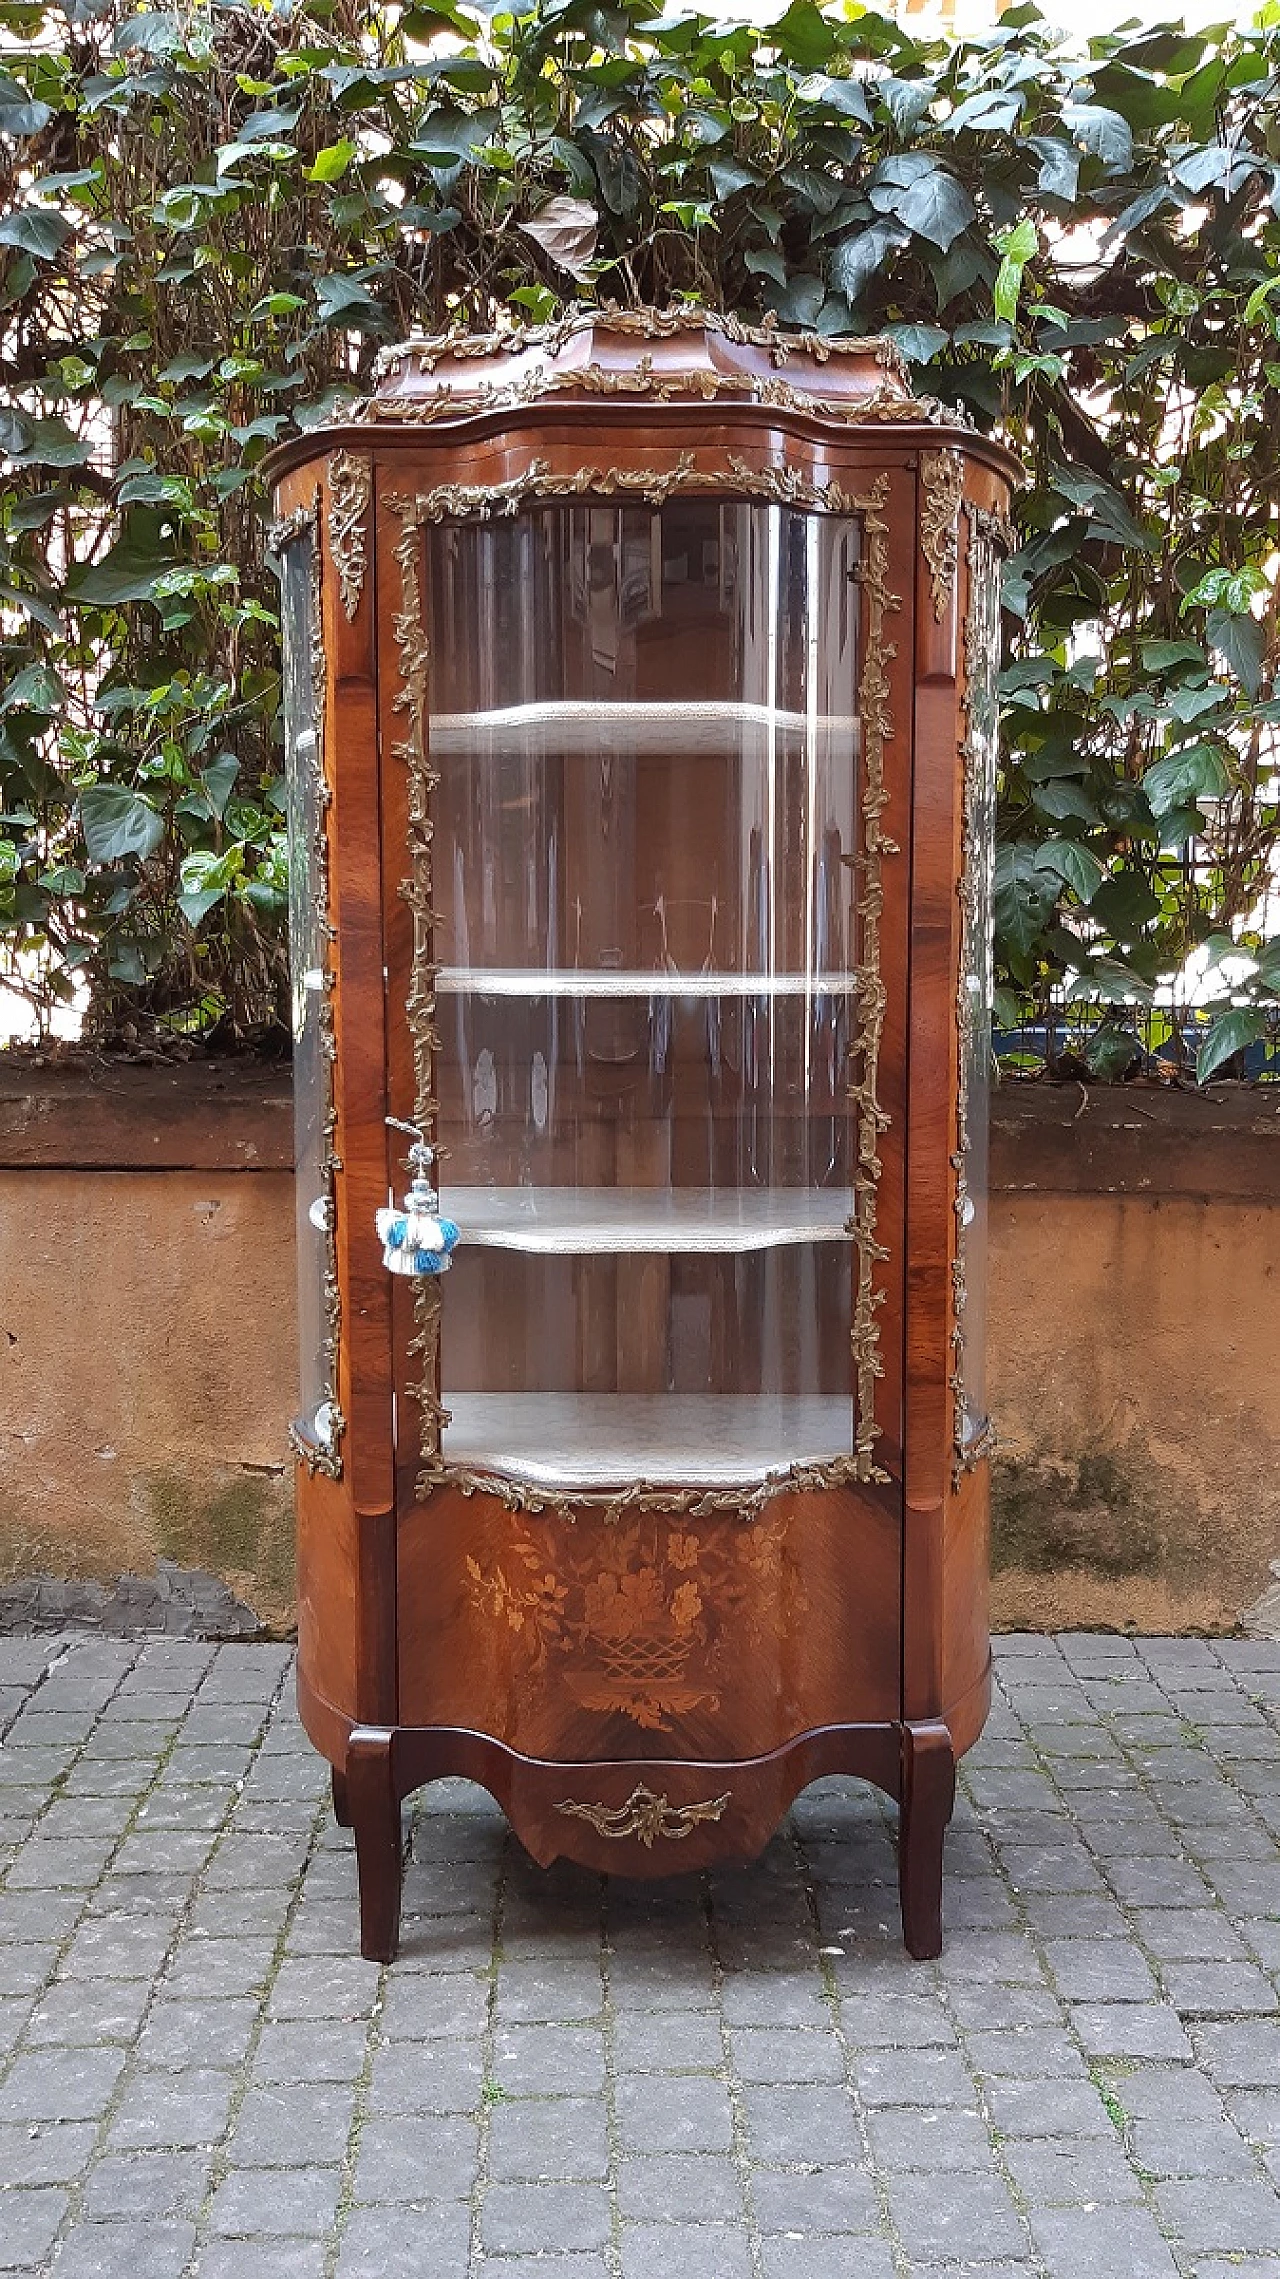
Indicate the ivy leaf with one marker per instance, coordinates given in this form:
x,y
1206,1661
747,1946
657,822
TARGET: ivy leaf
x,y
117,822
1125,904
1075,865
919,343
991,111
1103,133
1059,175
1024,896
1239,642
1231,1032
345,302
128,573
906,101
153,31
1016,248
332,162
855,259
1225,588
50,443
924,195
36,230
1195,771
20,113
566,229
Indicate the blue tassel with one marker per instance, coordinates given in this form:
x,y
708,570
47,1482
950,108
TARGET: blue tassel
x,y
415,1241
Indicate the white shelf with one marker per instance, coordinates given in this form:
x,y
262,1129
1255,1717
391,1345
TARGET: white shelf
x,y
604,981
574,1221
586,727
613,1440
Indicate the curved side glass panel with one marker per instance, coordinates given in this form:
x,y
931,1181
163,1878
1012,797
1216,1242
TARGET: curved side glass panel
x,y
644,723
319,1424
977,985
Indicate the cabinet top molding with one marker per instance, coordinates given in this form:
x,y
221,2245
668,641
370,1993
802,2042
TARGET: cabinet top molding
x,y
602,361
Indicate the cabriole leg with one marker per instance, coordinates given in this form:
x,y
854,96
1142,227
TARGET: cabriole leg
x,y
928,1793
341,1798
374,1805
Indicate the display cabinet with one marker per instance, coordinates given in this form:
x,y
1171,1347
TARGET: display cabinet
x,y
640,723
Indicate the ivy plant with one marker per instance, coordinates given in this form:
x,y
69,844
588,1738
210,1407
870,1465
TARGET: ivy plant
x,y
211,219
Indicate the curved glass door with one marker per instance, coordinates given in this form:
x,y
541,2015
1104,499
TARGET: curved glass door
x,y
644,722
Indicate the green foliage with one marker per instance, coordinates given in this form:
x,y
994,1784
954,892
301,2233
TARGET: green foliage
x,y
210,220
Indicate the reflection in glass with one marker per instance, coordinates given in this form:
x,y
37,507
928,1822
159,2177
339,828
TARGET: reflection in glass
x,y
308,951
644,723
982,644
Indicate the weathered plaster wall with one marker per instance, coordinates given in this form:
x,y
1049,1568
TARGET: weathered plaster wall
x,y
1134,1378
148,1369
147,1342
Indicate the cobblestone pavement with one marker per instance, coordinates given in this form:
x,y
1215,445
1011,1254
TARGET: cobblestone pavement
x,y
741,2077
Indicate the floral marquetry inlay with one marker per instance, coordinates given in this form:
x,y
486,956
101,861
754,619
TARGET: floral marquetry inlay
x,y
640,1612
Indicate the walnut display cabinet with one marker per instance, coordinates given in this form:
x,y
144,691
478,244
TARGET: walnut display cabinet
x,y
640,720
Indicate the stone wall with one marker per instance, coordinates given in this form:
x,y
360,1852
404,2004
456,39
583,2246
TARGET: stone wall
x,y
147,1346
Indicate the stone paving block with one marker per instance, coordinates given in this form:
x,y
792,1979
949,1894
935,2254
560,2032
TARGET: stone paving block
x,y
673,2113
969,2219
1219,1989
544,2219
426,2077
181,2034
328,2050
1256,2114
679,2187
783,2053
1044,2053
552,2061
60,2085
1130,2029
418,2008
902,2022
1172,2148
172,2109
1163,2093
540,1992
73,2012
1204,2214
146,2184
1243,2056
204,1970
276,2128
994,2006
29,2221
24,1969
1188,1934
817,2201
913,2077
1078,2243
776,2000
904,2138
44,1863
1063,2172
260,2203
126,2250
656,2251
810,2125
1099,1970
338,1987
557,2138
110,1945
52,2152
421,2158
646,2041
1022,2108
